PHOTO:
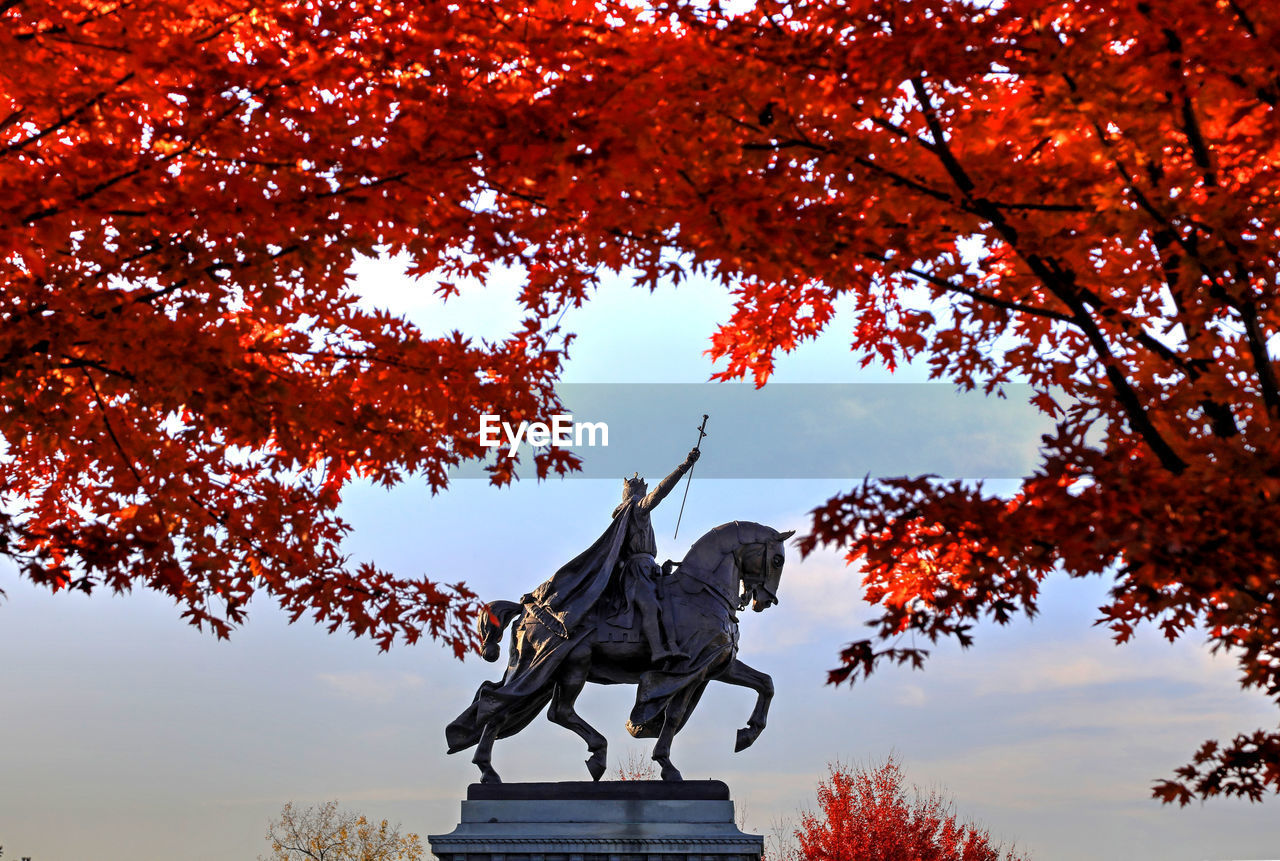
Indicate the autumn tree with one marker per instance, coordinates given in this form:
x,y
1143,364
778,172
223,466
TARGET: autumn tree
x,y
325,832
1080,196
869,814
187,382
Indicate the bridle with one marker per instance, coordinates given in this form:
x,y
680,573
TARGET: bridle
x,y
755,564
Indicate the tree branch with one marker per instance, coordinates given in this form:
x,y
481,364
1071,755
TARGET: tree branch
x,y
165,159
1261,360
1041,207
81,363
1199,148
1128,398
1190,125
1146,339
106,420
13,117
952,287
1062,287
1245,21
906,181
786,143
1267,380
64,120
361,186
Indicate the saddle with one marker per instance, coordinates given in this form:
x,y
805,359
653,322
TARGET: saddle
x,y
608,626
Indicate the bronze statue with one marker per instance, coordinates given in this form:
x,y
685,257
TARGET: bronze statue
x,y
631,580
581,626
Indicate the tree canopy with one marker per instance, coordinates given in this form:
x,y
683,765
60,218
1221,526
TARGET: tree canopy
x,y
1081,196
326,832
869,814
187,381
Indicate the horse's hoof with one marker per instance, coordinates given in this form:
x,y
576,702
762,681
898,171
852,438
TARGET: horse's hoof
x,y
595,765
641,731
670,772
746,737
488,775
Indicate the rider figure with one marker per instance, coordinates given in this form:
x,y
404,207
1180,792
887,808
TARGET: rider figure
x,y
637,567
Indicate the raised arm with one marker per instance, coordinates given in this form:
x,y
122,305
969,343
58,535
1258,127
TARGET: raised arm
x,y
668,484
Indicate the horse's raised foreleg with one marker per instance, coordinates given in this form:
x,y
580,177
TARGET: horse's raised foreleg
x,y
484,752
742,675
569,683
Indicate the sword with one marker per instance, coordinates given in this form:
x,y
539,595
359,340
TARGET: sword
x,y
702,431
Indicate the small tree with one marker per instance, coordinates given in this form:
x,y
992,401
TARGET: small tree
x,y
865,814
635,766
326,833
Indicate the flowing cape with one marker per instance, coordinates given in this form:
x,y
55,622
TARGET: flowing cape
x,y
573,591
557,608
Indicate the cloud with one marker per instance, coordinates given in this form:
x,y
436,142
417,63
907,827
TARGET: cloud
x,y
370,687
1047,670
1086,659
820,601
910,695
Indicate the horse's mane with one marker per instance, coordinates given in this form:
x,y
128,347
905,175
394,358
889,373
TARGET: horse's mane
x,y
737,531
705,553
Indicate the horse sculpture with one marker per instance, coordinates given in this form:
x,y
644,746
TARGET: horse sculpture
x,y
733,565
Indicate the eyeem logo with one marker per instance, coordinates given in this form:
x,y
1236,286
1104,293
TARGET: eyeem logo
x,y
562,432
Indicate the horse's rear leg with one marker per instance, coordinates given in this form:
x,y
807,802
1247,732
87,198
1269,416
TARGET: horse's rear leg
x,y
484,752
676,713
569,684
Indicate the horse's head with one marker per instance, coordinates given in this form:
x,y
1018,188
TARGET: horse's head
x,y
760,564
491,622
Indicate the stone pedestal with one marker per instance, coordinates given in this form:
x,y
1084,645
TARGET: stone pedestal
x,y
625,820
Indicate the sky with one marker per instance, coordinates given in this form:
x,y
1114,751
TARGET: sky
x,y
129,735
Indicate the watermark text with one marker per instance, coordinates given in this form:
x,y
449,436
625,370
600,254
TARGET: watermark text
x,y
563,432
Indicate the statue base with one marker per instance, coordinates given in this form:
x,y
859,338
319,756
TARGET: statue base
x,y
623,820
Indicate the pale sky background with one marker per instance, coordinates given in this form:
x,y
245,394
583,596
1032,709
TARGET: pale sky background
x,y
128,735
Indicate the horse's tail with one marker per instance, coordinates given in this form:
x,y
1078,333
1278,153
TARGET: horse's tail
x,y
494,619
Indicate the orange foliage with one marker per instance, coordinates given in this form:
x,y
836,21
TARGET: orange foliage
x,y
1078,195
186,381
865,814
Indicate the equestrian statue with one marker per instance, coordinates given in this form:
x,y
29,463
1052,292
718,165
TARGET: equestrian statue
x,y
613,616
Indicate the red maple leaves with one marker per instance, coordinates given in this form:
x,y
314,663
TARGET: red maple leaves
x,y
867,814
1082,197
187,380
